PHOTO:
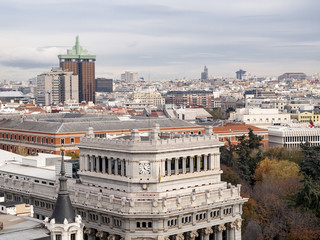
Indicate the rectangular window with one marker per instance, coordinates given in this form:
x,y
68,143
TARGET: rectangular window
x,y
62,141
72,140
58,237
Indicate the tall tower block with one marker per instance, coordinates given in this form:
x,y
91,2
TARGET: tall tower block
x,y
82,64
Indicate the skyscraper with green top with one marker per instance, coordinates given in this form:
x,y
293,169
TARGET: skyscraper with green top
x,y
82,64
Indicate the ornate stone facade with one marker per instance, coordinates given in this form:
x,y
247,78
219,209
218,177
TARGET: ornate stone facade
x,y
151,188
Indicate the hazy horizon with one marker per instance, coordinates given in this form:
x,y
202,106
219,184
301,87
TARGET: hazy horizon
x,y
162,39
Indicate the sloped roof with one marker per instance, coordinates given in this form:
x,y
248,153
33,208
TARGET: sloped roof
x,y
103,125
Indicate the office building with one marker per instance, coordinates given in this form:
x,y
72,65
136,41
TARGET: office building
x,y
129,76
260,117
204,74
104,85
78,61
190,98
292,137
240,74
57,86
152,98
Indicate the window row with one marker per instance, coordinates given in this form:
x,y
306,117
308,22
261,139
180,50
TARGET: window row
x,y
42,204
144,224
302,138
42,140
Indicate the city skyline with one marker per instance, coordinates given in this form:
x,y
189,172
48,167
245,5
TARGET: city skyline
x,y
162,40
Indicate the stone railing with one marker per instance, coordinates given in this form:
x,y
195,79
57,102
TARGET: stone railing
x,y
120,143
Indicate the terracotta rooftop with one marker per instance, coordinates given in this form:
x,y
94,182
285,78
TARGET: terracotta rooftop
x,y
233,127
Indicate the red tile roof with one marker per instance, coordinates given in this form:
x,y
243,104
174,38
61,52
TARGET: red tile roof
x,y
237,128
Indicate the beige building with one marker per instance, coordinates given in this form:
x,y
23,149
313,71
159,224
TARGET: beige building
x,y
152,98
57,86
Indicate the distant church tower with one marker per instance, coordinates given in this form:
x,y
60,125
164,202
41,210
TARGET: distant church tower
x,y
63,224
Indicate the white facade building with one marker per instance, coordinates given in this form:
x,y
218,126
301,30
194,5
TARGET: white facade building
x,y
140,187
293,136
129,76
57,87
260,117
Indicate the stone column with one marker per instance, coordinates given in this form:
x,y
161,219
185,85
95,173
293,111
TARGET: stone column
x,y
207,232
91,163
205,162
237,230
97,163
86,163
210,167
116,166
198,163
184,165
109,166
217,161
231,230
169,167
176,166
103,165
219,231
163,167
191,164
122,167
81,162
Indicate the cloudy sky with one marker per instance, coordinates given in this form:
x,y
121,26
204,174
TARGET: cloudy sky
x,y
165,39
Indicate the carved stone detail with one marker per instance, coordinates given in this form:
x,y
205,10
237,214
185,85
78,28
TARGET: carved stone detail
x,y
179,236
111,237
193,234
101,235
238,223
221,227
208,231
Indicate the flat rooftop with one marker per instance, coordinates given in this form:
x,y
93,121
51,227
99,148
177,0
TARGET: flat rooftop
x,y
29,171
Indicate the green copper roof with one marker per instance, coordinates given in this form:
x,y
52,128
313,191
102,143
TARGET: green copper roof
x,y
77,52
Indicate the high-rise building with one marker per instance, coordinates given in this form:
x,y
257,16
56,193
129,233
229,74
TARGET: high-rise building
x,y
57,86
104,85
129,76
204,74
240,74
82,64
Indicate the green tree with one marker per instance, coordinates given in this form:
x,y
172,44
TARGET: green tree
x,y
248,155
309,196
311,162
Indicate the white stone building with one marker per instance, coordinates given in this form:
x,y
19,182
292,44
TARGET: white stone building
x,y
260,117
291,137
140,187
129,76
161,188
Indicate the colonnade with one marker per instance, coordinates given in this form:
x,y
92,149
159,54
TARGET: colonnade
x,y
109,165
190,164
